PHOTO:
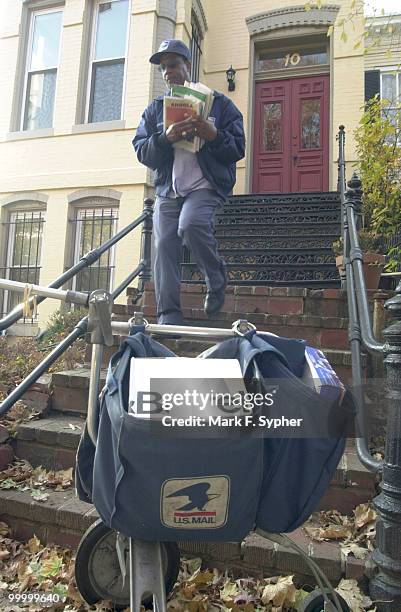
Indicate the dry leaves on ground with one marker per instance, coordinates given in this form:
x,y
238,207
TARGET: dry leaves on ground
x,y
350,591
17,415
31,567
357,532
21,476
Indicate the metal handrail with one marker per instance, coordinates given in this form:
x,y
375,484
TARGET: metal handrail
x,y
360,327
384,566
143,271
79,330
86,260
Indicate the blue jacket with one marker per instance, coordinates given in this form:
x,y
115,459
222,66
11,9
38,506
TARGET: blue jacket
x,y
217,159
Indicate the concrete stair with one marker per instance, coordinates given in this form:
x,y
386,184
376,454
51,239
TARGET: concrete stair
x,y
319,316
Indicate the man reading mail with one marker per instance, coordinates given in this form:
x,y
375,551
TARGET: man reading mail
x,y
189,186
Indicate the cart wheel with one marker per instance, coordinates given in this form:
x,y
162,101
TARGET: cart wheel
x,y
315,602
97,570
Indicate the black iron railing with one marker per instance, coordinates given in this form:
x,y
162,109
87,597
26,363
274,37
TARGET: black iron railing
x,y
385,562
142,271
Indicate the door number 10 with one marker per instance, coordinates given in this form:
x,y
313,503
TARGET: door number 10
x,y
292,59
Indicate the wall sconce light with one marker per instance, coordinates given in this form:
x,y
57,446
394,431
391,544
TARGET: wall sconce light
x,y
231,78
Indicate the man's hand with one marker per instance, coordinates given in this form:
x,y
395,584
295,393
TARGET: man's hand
x,y
193,126
202,128
175,132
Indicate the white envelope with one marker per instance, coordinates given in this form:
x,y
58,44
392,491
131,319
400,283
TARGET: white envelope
x,y
213,376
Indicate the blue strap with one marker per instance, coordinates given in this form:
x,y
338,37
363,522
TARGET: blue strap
x,y
249,334
120,359
135,329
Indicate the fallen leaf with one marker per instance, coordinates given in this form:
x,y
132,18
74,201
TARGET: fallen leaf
x,y
34,545
229,591
4,529
280,594
52,565
4,554
356,600
364,514
352,548
39,495
332,532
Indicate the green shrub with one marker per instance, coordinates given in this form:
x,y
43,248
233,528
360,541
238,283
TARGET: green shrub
x,y
60,324
378,139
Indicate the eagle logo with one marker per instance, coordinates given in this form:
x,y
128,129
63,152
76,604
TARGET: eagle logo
x,y
197,494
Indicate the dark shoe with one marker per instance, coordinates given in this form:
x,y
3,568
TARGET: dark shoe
x,y
214,301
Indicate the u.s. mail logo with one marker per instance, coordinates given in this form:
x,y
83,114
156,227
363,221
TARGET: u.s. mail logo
x,y
195,503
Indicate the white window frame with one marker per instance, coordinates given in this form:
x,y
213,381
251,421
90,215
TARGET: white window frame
x,y
195,25
32,17
92,60
11,243
80,214
392,70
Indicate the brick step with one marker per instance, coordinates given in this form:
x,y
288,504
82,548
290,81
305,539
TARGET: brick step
x,y
71,388
320,332
269,300
62,519
52,443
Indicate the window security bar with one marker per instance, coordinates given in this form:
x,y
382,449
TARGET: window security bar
x,y
90,227
24,231
142,272
92,256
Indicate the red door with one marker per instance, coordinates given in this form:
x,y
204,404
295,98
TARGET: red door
x,y
291,136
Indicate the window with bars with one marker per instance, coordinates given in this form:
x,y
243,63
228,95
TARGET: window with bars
x,y
107,60
196,48
41,69
24,231
92,227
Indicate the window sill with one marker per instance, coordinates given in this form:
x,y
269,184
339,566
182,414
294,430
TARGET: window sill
x,y
28,134
100,126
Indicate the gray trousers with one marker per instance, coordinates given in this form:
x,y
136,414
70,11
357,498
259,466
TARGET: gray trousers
x,y
189,221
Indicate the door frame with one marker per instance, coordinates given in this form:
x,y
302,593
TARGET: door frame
x,y
275,40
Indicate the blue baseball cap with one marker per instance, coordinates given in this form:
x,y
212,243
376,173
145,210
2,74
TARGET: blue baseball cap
x,y
171,46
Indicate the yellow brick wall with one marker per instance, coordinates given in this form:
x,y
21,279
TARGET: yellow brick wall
x,y
384,46
61,164
234,47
